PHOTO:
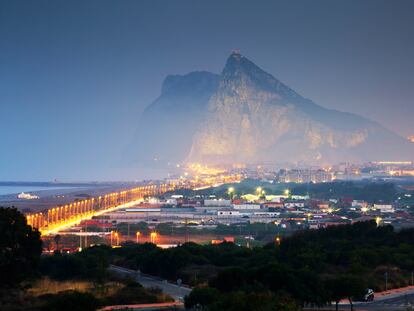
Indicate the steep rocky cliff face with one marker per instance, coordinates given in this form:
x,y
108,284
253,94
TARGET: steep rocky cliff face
x,y
253,117
246,115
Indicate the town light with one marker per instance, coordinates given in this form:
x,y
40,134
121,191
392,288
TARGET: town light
x,y
116,234
277,240
154,236
287,192
378,220
137,235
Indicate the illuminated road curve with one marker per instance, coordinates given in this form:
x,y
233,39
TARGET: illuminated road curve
x,y
71,223
62,217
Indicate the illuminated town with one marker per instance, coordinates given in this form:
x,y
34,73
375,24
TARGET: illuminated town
x,y
207,155
205,198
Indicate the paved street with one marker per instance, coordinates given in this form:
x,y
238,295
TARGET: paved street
x,y
175,291
395,300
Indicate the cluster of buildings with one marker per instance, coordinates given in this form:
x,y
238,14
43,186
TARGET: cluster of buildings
x,y
27,196
287,211
341,171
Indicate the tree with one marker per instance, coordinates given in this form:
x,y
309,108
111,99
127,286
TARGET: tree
x,y
20,247
342,287
201,296
229,280
254,301
71,300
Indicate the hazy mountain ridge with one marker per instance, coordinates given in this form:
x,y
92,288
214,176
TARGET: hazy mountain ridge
x,y
166,127
246,115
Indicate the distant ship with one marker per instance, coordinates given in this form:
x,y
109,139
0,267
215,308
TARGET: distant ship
x,y
27,196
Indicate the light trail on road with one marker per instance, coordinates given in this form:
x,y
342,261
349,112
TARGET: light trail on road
x,y
62,217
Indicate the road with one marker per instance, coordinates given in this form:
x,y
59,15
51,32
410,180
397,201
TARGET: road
x,y
398,300
175,291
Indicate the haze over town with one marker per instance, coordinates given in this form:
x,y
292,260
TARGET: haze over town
x,y
76,76
206,155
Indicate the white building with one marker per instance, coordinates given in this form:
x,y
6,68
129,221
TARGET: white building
x,y
384,208
294,204
359,203
228,214
27,196
215,202
246,206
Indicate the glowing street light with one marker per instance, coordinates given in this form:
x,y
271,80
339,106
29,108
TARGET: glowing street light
x,y
116,234
287,192
278,240
230,191
137,235
378,220
154,236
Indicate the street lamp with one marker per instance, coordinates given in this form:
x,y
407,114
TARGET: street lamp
x,y
230,191
153,237
137,235
117,238
378,220
277,240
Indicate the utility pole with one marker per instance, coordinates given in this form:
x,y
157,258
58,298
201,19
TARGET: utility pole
x,y
412,278
80,239
86,235
186,230
386,280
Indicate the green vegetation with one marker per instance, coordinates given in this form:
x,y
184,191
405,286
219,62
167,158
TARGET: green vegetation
x,y
91,264
69,301
358,190
367,191
312,268
20,247
244,187
23,273
239,301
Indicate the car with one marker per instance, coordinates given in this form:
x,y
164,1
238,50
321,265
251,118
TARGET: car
x,y
369,295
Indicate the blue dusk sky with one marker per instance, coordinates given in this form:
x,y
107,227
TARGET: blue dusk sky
x,y
76,75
